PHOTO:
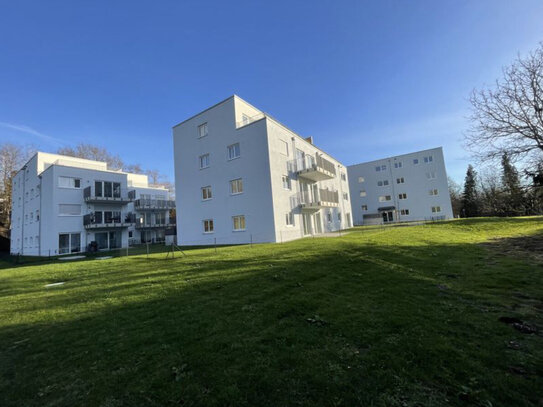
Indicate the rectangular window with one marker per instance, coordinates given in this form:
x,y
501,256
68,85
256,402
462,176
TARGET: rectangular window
x,y
108,189
361,180
428,159
378,168
206,193
402,196
69,243
116,190
415,161
363,193
364,207
289,219
98,191
398,164
431,175
284,147
69,209
404,212
400,180
384,198
208,226
286,182
382,183
238,222
233,151
236,186
204,161
68,182
345,196
436,209
433,192
202,130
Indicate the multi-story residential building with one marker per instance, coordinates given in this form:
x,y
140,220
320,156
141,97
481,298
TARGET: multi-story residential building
x,y
407,187
62,204
242,176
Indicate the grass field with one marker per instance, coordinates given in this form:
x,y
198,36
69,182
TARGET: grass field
x,y
378,317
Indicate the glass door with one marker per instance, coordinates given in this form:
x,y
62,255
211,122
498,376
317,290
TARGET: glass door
x,y
318,223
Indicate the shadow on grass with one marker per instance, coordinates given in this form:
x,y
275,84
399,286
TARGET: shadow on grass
x,y
347,324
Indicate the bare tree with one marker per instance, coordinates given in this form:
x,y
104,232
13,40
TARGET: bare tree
x,y
12,158
455,192
508,118
92,152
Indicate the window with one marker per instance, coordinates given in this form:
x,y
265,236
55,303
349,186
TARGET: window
x,y
69,209
428,159
431,175
402,196
284,147
206,193
286,182
382,183
289,219
398,164
361,180
363,193
202,130
233,151
69,182
238,222
236,186
204,161
433,192
343,177
364,207
69,243
107,189
380,168
415,161
404,212
329,216
436,209
345,196
208,226
384,198
400,180
130,233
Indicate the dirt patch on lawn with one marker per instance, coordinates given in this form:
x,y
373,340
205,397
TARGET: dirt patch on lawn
x,y
530,247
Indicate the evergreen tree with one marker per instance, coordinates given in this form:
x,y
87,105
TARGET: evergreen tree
x,y
470,198
513,195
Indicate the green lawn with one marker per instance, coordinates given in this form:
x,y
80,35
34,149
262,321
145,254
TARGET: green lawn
x,y
398,316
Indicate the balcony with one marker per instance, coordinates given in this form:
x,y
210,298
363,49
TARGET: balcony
x,y
314,168
153,204
316,199
115,221
113,197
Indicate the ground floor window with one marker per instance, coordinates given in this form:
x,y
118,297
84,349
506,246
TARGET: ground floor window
x,y
69,243
238,222
108,240
208,225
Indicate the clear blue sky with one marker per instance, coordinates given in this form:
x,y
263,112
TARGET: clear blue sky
x,y
365,79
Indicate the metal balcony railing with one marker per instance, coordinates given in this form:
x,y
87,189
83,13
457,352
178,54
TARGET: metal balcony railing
x,y
99,220
316,199
154,204
116,197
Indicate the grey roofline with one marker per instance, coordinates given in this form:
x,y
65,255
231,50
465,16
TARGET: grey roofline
x,y
396,156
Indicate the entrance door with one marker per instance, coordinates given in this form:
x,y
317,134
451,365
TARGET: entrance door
x,y
388,216
318,223
306,218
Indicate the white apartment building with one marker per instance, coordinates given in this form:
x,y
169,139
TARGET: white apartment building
x,y
407,187
61,204
243,177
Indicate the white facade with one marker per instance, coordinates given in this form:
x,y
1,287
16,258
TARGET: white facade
x,y
242,176
407,187
61,204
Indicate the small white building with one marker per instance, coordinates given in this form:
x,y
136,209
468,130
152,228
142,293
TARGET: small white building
x,y
242,176
409,187
61,204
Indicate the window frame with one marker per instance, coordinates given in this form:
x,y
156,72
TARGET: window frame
x,y
240,219
238,182
200,160
230,148
206,191
200,127
209,225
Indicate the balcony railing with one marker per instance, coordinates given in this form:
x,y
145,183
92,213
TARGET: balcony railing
x,y
92,221
315,168
248,120
316,199
115,197
153,204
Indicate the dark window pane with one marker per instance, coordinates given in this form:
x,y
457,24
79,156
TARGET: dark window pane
x,y
63,243
108,190
116,190
98,188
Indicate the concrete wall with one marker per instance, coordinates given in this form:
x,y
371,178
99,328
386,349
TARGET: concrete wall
x,y
417,186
